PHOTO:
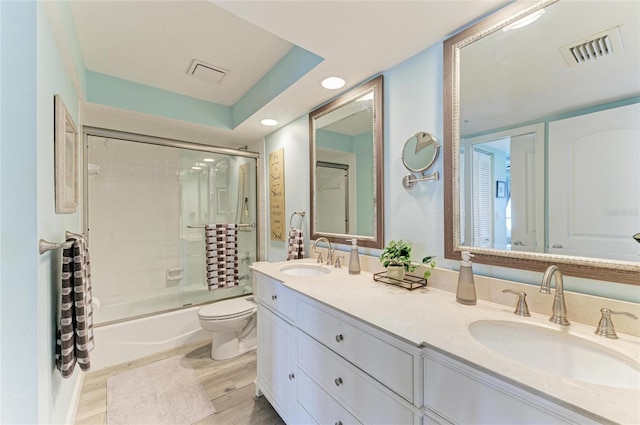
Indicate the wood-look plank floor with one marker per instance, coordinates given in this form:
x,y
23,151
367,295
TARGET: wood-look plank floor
x,y
229,384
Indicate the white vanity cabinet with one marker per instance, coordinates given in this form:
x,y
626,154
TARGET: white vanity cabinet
x,y
277,346
369,373
455,393
317,365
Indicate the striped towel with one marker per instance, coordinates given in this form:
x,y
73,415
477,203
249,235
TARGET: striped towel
x,y
296,244
74,336
222,255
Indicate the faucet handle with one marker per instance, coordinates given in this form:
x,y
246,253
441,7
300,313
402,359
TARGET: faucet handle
x,y
319,260
338,263
521,307
605,326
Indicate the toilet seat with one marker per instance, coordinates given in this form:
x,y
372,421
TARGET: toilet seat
x,y
227,309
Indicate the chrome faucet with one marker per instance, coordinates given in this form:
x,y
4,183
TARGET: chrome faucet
x,y
559,314
329,250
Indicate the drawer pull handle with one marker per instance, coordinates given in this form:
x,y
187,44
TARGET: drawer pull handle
x,y
339,338
338,381
291,376
274,297
339,423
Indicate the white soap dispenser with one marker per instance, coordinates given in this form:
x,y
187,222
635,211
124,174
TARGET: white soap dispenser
x,y
354,259
466,292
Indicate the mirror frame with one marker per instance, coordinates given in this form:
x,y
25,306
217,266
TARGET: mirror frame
x,y
591,268
377,240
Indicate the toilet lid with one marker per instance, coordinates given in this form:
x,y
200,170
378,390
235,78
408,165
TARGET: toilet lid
x,y
227,309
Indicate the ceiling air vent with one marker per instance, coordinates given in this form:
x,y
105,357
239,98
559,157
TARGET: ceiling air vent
x,y
206,72
593,48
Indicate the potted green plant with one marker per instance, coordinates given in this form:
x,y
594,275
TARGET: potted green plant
x,y
396,258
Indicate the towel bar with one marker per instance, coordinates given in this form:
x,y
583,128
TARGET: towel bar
x,y
201,226
301,214
46,246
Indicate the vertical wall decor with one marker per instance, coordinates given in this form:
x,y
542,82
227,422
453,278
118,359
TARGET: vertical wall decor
x,y
276,194
65,159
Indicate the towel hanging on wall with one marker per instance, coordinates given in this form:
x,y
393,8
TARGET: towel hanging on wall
x,y
75,325
221,255
295,250
296,244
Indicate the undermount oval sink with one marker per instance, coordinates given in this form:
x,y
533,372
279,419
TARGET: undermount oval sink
x,y
558,352
304,269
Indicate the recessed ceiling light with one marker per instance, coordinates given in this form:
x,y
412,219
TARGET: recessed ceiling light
x,y
269,122
196,168
333,83
209,160
524,21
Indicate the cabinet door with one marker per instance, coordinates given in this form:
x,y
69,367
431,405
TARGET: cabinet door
x,y
276,362
460,394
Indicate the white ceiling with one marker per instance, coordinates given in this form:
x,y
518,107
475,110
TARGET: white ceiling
x,y
153,43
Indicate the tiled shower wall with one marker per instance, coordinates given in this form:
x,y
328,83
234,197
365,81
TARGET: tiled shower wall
x,y
131,258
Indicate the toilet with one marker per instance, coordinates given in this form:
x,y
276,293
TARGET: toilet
x,y
233,326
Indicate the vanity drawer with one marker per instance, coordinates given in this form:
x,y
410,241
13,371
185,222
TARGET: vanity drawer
x,y
314,402
303,417
276,296
347,384
387,363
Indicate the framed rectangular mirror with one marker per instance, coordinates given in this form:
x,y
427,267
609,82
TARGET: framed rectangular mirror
x,y
549,105
346,157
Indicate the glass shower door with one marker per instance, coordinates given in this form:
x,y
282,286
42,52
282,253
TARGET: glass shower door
x,y
147,205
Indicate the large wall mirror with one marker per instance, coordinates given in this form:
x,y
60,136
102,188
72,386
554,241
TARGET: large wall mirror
x,y
346,167
542,139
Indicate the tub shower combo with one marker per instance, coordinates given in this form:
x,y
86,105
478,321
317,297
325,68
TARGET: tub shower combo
x,y
148,200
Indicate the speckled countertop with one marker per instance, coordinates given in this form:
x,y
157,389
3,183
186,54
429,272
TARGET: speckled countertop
x,y
433,317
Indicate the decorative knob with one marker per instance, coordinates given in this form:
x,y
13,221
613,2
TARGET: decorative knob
x,y
339,338
605,326
291,376
521,307
338,381
339,423
274,297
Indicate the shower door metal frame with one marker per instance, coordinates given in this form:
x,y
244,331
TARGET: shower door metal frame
x,y
153,140
159,141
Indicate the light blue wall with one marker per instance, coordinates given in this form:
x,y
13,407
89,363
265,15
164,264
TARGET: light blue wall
x,y
32,70
56,393
19,328
294,139
413,93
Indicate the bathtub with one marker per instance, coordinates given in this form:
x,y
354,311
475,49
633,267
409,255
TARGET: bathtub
x,y
131,339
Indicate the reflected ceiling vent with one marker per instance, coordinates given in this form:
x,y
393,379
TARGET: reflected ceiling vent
x,y
206,72
593,48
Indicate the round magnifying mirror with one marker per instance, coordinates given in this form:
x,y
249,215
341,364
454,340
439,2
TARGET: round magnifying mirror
x,y
420,152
